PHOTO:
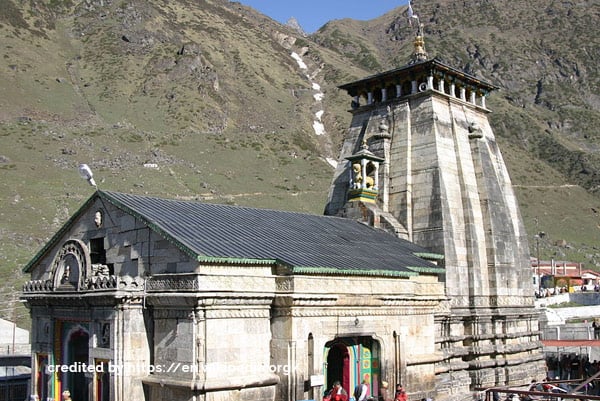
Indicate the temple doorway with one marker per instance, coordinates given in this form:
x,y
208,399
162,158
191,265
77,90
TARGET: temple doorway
x,y
350,360
76,353
338,365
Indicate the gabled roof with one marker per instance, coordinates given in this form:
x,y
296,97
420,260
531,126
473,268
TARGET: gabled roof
x,y
307,243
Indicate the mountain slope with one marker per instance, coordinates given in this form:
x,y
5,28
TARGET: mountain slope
x,y
543,55
188,99
211,100
545,58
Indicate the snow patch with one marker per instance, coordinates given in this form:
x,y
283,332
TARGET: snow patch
x,y
319,128
299,60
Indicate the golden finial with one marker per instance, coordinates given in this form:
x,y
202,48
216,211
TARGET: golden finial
x,y
419,54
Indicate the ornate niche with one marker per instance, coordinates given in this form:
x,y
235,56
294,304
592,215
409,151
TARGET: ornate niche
x,y
364,180
70,266
104,335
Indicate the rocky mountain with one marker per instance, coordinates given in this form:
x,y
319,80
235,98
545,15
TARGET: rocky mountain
x,y
542,54
293,23
209,99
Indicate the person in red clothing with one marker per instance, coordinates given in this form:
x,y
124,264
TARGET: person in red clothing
x,y
400,394
337,393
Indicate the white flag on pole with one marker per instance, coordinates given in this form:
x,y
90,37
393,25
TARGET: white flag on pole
x,y
411,14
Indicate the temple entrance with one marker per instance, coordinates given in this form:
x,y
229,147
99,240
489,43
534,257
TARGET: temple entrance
x,y
338,366
76,352
350,360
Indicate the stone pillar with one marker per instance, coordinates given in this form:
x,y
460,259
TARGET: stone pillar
x,y
463,93
414,87
473,97
383,94
398,90
430,82
483,101
363,172
133,351
441,85
370,98
452,89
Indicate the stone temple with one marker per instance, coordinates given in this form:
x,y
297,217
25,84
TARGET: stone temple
x,y
418,273
420,161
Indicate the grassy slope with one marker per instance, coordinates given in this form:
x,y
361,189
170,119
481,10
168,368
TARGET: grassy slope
x,y
229,118
40,186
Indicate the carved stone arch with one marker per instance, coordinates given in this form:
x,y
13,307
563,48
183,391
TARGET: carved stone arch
x,y
71,266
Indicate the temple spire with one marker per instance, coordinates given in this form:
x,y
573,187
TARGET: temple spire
x,y
419,53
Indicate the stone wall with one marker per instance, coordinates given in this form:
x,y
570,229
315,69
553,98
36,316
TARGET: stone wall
x,y
395,314
212,333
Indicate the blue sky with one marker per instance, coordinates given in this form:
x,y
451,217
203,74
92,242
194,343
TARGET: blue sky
x,y
313,14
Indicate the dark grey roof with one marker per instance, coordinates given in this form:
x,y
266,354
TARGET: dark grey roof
x,y
303,241
307,243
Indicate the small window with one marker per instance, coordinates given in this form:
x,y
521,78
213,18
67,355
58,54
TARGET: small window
x,y
97,251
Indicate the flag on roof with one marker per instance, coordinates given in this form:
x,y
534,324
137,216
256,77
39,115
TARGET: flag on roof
x,y
411,14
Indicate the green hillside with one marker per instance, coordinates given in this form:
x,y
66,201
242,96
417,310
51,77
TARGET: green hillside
x,y
204,100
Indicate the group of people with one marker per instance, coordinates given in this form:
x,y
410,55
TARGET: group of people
x,y
571,366
362,393
548,292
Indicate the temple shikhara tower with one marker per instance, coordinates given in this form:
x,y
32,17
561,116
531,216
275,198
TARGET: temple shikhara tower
x,y
420,160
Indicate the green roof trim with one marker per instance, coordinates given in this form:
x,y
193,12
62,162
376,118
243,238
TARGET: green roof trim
x,y
243,261
434,270
352,272
426,255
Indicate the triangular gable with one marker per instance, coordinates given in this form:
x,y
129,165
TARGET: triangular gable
x,y
59,234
